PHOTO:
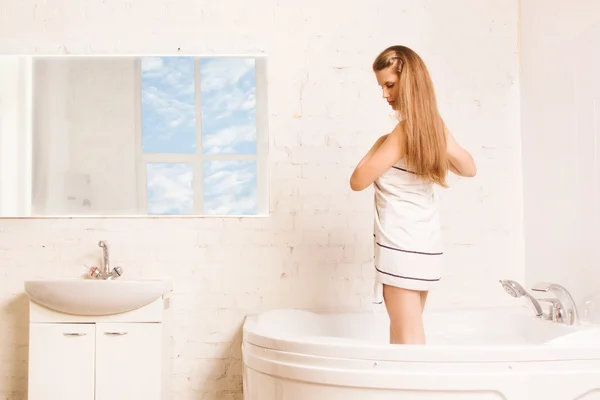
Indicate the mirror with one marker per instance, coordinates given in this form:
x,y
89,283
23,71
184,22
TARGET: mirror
x,y
133,136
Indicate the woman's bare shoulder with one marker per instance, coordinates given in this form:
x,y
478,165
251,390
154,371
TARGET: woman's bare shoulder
x,y
399,133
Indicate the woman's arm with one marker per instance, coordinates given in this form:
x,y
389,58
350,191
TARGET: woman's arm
x,y
460,160
374,148
383,155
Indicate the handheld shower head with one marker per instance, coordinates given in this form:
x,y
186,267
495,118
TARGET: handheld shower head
x,y
516,290
513,288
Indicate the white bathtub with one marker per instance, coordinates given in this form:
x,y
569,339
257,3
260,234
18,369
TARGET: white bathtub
x,y
475,354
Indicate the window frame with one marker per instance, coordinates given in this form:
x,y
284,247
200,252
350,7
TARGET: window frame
x,y
197,159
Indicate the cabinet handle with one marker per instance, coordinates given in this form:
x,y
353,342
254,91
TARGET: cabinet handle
x,y
115,333
74,334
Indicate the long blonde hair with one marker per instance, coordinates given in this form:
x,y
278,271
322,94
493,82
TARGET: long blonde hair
x,y
418,111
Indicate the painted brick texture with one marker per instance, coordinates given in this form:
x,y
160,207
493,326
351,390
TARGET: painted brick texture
x,y
326,110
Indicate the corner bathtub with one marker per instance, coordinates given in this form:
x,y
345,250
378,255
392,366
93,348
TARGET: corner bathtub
x,y
471,354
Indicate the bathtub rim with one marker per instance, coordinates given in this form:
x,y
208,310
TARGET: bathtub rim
x,y
416,353
505,378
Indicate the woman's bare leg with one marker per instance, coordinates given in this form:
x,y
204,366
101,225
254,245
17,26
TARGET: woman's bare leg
x,y
423,299
405,309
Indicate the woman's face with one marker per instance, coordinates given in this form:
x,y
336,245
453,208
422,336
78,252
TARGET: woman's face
x,y
388,80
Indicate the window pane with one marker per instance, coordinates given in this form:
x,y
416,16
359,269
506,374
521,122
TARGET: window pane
x,y
228,101
170,190
229,187
168,105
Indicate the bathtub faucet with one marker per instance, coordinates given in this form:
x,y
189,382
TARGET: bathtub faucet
x,y
563,308
516,290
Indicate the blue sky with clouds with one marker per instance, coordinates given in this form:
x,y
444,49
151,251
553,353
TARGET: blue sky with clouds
x,y
228,115
228,92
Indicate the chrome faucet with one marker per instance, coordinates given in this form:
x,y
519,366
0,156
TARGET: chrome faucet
x,y
516,290
105,266
563,308
105,271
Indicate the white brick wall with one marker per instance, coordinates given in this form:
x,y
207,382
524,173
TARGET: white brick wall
x,y
325,107
561,109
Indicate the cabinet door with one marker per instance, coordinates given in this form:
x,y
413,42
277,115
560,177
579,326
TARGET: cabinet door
x,y
61,361
128,361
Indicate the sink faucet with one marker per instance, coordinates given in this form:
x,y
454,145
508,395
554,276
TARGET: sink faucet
x,y
564,307
105,266
105,271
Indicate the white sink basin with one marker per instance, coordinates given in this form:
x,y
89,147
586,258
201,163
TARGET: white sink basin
x,y
95,297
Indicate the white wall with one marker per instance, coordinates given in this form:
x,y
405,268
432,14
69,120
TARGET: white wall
x,y
15,149
325,111
561,132
84,136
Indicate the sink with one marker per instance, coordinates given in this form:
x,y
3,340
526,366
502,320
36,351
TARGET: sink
x,y
95,297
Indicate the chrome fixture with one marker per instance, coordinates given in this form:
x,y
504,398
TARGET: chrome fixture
x,y
563,306
516,290
105,271
561,309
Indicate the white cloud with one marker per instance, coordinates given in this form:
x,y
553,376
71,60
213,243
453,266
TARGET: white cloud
x,y
219,72
151,65
227,139
170,188
228,105
166,105
230,187
249,102
173,73
168,94
224,103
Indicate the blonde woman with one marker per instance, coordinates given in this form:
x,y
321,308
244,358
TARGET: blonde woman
x,y
404,167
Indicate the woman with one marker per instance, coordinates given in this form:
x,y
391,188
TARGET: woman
x,y
404,167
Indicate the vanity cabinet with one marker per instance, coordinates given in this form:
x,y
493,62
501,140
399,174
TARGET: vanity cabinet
x,y
61,362
128,360
116,357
